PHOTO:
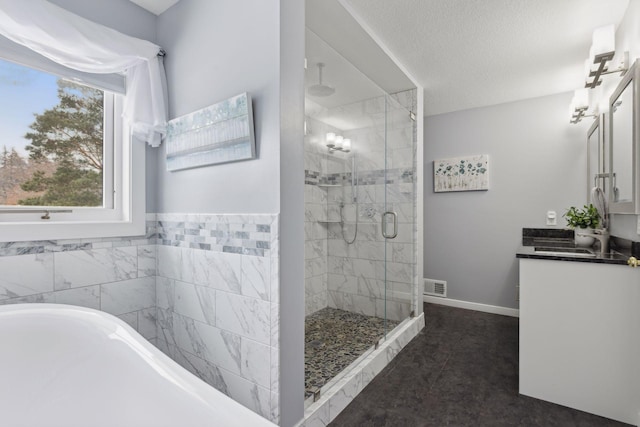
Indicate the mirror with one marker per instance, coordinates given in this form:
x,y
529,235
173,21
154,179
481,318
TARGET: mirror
x,y
622,149
624,126
595,159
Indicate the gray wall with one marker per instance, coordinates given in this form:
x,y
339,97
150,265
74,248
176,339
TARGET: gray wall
x,y
151,171
537,162
217,49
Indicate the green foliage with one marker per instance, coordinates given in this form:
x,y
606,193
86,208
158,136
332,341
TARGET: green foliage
x,y
69,186
587,217
12,171
71,135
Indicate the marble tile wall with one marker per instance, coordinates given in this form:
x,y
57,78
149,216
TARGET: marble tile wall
x,y
202,288
218,303
315,158
115,275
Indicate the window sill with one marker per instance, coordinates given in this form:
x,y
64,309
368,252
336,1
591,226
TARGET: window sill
x,y
51,230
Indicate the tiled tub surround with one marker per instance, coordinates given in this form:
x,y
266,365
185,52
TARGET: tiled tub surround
x,y
217,303
115,275
207,284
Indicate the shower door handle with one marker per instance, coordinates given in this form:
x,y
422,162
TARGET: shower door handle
x,y
385,234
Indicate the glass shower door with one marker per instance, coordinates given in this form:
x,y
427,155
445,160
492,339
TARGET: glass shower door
x,y
398,220
359,171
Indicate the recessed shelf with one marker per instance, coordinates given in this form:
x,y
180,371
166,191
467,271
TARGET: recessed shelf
x,y
329,221
329,185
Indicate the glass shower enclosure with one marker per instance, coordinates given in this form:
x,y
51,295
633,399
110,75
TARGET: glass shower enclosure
x,y
360,214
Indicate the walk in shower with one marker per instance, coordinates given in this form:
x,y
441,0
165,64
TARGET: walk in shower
x,y
360,214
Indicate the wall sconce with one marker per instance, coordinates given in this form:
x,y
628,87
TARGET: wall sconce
x,y
579,105
338,143
603,49
601,53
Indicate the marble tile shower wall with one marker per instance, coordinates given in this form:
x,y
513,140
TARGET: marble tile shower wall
x,y
218,303
351,277
315,158
115,275
356,272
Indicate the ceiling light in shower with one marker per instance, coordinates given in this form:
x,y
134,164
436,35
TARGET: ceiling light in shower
x,y
337,143
320,89
331,139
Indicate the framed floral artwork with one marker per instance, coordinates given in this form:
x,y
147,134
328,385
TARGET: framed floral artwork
x,y
469,173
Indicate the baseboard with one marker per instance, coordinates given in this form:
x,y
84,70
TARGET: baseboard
x,y
494,309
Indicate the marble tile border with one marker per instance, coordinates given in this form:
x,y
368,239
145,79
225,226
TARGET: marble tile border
x,y
368,177
245,234
67,245
331,403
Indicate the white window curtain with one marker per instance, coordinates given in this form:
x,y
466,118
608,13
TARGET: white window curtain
x,y
83,45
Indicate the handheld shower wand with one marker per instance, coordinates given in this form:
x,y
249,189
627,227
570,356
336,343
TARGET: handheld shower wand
x,y
354,198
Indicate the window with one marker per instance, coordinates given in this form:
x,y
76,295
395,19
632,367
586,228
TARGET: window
x,y
54,152
65,163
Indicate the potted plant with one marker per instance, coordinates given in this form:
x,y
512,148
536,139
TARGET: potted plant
x,y
583,220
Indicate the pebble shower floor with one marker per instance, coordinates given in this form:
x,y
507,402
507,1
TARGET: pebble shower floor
x,y
333,340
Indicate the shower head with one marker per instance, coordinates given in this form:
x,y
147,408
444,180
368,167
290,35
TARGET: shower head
x,y
320,89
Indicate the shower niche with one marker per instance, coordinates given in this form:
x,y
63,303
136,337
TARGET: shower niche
x,y
360,214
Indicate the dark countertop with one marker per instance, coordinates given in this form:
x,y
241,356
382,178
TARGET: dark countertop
x,y
611,258
620,251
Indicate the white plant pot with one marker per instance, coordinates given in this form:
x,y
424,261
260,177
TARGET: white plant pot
x,y
584,241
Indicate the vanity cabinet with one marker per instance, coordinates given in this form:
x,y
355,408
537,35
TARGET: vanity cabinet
x,y
580,336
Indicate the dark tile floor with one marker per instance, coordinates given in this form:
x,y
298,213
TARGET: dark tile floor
x,y
333,340
461,370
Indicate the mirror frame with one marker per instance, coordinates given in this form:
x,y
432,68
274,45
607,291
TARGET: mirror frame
x,y
632,77
595,128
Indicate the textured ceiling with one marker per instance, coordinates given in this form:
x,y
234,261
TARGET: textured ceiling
x,y
155,6
471,53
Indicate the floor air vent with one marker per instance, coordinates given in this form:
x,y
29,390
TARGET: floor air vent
x,y
436,288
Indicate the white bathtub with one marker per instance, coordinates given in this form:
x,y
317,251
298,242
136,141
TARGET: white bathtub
x,y
69,366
